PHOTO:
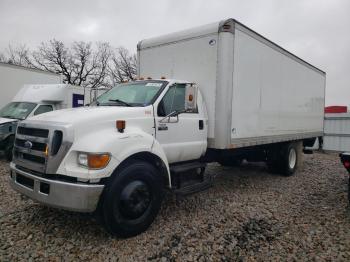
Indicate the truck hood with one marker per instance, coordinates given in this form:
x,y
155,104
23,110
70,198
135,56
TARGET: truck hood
x,y
7,120
93,114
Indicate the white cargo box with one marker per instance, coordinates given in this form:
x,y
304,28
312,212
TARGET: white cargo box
x,y
64,95
256,92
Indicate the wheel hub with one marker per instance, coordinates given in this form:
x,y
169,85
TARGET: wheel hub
x,y
292,158
135,198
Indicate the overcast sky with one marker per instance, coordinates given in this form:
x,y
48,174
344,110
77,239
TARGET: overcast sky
x,y
316,30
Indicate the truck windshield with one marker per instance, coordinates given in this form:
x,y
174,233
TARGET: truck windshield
x,y
17,110
137,93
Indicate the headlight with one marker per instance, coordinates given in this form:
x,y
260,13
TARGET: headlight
x,y
93,161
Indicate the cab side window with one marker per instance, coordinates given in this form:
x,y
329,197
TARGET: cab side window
x,y
43,109
174,100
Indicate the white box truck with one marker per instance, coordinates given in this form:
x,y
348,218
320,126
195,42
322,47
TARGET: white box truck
x,y
32,100
219,93
13,77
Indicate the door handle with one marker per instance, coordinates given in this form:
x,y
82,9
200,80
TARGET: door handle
x,y
201,124
162,128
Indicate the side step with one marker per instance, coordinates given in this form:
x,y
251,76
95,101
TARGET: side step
x,y
189,183
181,168
193,188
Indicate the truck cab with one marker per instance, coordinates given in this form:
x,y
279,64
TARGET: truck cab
x,y
124,142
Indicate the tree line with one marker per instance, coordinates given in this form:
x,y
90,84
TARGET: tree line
x,y
81,63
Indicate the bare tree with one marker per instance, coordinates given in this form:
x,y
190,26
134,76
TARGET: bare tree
x,y
2,58
123,66
99,64
80,64
18,55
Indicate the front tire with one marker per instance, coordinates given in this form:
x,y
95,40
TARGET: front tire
x,y
132,199
9,147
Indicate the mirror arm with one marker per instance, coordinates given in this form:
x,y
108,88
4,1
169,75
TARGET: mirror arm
x,y
174,113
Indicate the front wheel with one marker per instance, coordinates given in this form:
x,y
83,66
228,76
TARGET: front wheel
x,y
9,148
132,199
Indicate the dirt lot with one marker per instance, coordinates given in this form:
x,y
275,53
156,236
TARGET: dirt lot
x,y
249,214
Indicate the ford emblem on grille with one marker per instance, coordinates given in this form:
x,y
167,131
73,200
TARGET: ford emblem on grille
x,y
28,144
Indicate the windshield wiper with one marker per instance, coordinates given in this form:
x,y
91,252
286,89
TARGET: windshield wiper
x,y
120,101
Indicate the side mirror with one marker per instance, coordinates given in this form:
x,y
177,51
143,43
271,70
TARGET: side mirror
x,y
191,98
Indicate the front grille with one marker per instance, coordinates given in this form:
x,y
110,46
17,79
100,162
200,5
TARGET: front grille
x,y
38,132
31,147
35,145
40,147
33,158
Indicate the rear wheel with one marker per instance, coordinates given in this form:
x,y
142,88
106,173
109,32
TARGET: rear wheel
x,y
132,199
285,159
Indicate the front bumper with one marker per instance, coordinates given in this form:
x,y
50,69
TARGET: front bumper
x,y
65,195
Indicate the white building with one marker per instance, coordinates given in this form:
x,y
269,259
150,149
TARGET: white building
x,y
13,78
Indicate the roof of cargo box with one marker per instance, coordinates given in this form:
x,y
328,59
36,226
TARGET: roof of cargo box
x,y
227,25
20,67
42,93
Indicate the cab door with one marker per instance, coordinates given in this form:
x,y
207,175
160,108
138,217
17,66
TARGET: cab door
x,y
183,137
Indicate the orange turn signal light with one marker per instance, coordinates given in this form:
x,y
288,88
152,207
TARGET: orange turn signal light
x,y
98,161
120,124
190,98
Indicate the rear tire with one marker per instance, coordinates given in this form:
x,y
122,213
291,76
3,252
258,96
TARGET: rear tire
x,y
290,159
132,199
285,159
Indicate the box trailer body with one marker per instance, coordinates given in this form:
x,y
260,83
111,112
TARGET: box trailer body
x,y
13,78
255,91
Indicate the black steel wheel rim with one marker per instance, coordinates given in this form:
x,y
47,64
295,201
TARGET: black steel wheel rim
x,y
135,198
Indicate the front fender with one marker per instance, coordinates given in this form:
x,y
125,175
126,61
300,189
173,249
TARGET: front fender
x,y
120,145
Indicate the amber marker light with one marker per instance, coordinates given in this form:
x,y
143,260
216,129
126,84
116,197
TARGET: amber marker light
x,y
46,150
98,161
120,124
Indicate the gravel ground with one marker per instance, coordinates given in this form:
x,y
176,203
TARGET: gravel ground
x,y
248,215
